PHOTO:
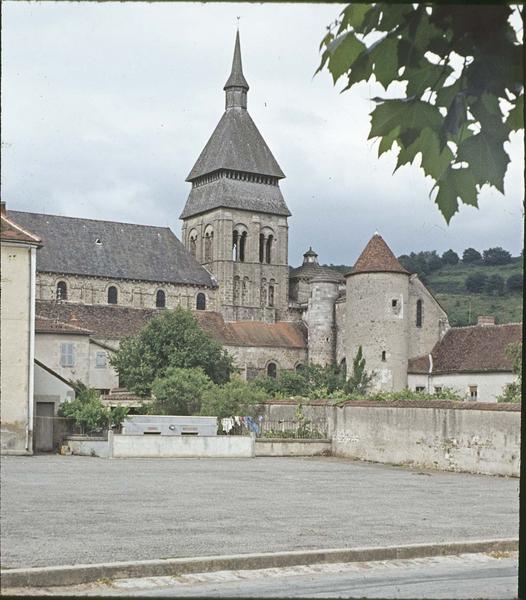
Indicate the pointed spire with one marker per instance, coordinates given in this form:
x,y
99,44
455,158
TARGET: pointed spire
x,y
236,87
377,257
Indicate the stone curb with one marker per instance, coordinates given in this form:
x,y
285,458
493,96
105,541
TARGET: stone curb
x,y
78,574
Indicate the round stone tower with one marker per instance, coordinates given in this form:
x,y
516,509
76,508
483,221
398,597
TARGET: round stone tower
x,y
321,318
377,315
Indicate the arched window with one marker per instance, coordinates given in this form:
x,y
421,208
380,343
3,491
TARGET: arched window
x,y
209,238
112,295
193,244
268,249
299,368
261,247
271,295
235,246
62,290
419,313
200,302
242,246
272,370
160,299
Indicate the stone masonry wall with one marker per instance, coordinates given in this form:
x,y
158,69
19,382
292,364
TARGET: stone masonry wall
x,y
253,361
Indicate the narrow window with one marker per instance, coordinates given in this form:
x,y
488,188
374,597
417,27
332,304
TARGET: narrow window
x,y
236,289
271,295
200,302
272,370
419,313
268,248
235,246
112,295
62,290
384,355
193,245
420,388
101,360
473,393
160,299
67,356
242,246
261,248
209,237
394,303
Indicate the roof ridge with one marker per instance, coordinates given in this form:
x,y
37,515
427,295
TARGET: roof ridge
x,y
20,228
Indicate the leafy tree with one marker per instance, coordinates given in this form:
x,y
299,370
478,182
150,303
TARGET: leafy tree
x,y
434,261
233,398
462,70
512,392
495,285
360,380
172,339
470,255
496,256
179,391
515,282
450,257
476,282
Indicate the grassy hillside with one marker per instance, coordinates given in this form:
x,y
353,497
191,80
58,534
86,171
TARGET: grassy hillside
x,y
448,286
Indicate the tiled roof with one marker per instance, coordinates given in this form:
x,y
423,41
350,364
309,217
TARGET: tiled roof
x,y
116,322
477,349
48,325
310,270
377,257
236,144
11,231
238,194
113,250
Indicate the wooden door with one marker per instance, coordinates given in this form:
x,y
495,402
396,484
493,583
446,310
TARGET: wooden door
x,y
45,411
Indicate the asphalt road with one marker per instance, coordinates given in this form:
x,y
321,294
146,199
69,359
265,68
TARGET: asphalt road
x,y
465,576
58,510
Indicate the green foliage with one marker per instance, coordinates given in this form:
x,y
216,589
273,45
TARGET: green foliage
x,y
495,285
88,412
470,255
476,282
407,394
513,392
172,339
450,257
179,391
231,399
462,70
496,256
360,380
515,283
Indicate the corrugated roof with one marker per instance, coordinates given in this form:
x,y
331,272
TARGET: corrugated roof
x,y
475,349
237,145
233,193
377,257
113,250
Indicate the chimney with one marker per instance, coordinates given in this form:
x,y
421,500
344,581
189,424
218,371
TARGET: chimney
x,y
2,204
486,320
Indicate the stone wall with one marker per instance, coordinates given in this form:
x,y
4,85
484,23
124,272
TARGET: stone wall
x,y
136,294
321,324
253,361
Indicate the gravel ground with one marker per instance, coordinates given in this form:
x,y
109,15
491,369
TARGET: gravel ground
x,y
69,510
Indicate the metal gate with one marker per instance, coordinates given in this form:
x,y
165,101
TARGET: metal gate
x,y
45,412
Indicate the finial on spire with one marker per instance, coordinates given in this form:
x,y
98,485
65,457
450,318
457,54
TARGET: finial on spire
x,y
236,87
238,22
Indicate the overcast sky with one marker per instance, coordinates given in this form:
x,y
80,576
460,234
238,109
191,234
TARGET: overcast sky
x,y
106,107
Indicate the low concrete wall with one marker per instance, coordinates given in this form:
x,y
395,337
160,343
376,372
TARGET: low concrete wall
x,y
158,446
80,446
292,447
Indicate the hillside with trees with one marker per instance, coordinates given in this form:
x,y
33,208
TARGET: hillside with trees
x,y
487,282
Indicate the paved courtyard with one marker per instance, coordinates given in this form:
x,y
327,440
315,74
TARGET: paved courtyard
x,y
66,510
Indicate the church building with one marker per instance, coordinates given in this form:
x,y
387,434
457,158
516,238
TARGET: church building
x,y
99,281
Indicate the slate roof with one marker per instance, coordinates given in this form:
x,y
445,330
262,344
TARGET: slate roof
x,y
476,349
311,268
236,144
125,251
232,193
117,322
13,232
236,78
377,257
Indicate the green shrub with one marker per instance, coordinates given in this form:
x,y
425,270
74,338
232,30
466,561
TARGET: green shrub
x,y
513,391
407,394
179,391
232,399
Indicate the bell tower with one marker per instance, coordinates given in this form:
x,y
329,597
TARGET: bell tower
x,y
235,218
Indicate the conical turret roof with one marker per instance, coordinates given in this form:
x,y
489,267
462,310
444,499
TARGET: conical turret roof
x,y
236,79
377,257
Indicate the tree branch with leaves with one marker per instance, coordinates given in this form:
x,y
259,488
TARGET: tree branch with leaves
x,y
462,67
